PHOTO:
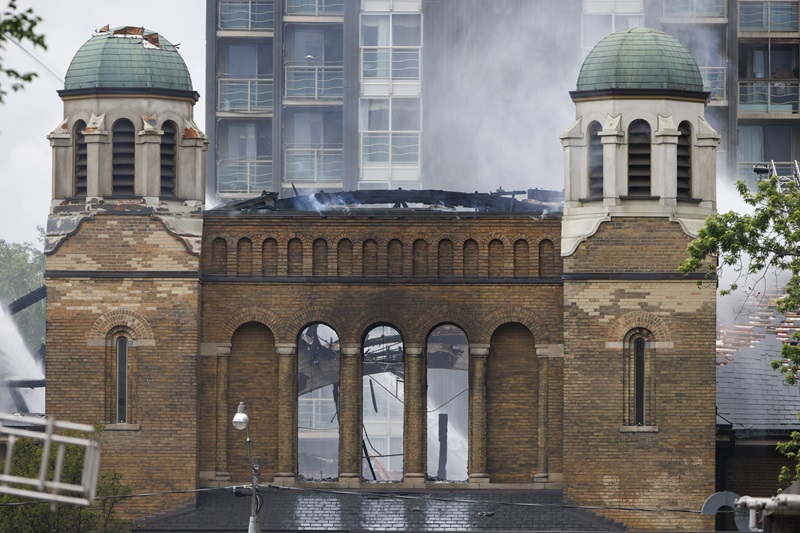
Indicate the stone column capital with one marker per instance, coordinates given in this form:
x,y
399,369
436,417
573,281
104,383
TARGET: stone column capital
x,y
350,350
478,350
413,350
285,349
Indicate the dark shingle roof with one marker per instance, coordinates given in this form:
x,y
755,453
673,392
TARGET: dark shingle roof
x,y
289,510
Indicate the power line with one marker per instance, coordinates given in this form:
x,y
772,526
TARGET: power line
x,y
34,56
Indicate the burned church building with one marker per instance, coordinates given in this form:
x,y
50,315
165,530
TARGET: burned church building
x,y
424,342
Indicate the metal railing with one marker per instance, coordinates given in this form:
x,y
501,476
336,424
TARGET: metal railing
x,y
244,176
388,149
315,7
317,82
768,15
246,15
769,96
304,164
251,95
694,8
390,63
785,170
714,81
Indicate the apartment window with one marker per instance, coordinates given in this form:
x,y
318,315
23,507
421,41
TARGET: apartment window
x,y
169,142
639,150
314,7
383,397
390,131
247,15
769,16
314,62
595,161
80,159
765,144
313,151
685,160
604,17
123,147
245,81
639,379
694,8
318,404
391,46
244,156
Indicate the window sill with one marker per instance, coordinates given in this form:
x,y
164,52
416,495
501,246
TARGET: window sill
x,y
122,427
638,429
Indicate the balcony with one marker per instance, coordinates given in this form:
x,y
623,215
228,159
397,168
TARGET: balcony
x,y
245,95
244,176
390,63
769,96
714,81
769,16
322,82
246,15
389,149
694,8
315,8
306,165
785,171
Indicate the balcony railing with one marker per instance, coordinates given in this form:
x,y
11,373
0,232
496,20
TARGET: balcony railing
x,y
388,149
245,95
304,164
247,15
785,169
772,96
244,176
315,7
714,81
694,8
386,63
769,16
317,82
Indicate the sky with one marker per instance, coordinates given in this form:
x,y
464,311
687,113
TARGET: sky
x,y
27,116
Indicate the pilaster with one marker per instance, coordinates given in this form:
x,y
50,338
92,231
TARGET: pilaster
x,y
287,425
477,414
350,414
416,416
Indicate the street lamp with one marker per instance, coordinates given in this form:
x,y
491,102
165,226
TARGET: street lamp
x,y
242,421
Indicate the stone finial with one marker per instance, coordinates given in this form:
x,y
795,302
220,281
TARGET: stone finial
x,y
62,130
191,131
150,125
95,125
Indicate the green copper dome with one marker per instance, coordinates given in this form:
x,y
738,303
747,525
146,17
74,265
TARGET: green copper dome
x,y
128,58
640,58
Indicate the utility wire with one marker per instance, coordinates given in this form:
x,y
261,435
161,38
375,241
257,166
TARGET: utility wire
x,y
35,56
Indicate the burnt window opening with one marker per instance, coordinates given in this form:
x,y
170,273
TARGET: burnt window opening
x,y
244,258
219,256
269,257
522,267
294,262
639,159
318,404
344,258
447,352
123,148
420,259
319,258
169,142
685,160
394,258
80,165
470,259
383,399
639,378
445,259
595,161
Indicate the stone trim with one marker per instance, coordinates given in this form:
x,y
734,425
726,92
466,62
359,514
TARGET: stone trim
x,y
639,319
141,331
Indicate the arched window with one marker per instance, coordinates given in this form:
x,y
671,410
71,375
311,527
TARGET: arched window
x,y
420,258
639,378
80,159
448,404
244,258
470,259
394,258
121,389
522,268
548,267
344,258
318,404
685,160
319,258
294,263
269,257
383,397
369,258
120,371
219,256
639,164
123,147
169,142
496,259
445,258
595,161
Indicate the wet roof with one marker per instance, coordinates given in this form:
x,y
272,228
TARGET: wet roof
x,y
640,58
128,57
461,510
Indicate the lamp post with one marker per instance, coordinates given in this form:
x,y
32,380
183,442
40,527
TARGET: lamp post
x,y
242,421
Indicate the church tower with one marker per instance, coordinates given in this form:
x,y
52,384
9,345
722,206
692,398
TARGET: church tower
x,y
122,256
639,382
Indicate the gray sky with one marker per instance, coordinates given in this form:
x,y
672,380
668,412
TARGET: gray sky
x,y
27,116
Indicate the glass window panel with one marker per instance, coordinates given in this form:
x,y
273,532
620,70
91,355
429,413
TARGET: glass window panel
x,y
406,114
375,30
677,7
778,143
783,16
753,16
407,30
375,114
122,380
405,64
